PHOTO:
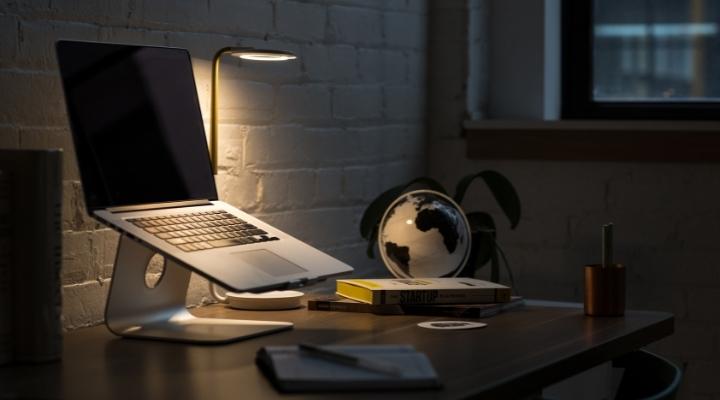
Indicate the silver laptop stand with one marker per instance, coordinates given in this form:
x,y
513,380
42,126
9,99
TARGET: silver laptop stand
x,y
134,310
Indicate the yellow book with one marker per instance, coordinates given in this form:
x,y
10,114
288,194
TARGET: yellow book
x,y
423,291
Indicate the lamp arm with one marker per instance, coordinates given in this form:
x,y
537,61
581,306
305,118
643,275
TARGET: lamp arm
x,y
213,103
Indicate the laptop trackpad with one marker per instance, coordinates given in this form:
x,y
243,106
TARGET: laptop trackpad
x,y
269,262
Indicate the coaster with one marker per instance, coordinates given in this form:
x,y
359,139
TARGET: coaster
x,y
275,300
451,325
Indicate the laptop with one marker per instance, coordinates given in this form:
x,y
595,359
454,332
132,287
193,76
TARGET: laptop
x,y
145,169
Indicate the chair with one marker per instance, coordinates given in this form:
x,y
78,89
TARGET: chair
x,y
647,376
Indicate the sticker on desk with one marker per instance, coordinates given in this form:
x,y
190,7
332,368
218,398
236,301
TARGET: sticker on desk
x,y
451,325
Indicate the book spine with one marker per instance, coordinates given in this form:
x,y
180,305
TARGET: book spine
x,y
439,296
322,305
330,305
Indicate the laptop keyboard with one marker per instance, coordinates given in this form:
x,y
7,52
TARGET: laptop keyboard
x,y
202,230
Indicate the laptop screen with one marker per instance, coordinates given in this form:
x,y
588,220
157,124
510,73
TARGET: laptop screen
x,y
136,124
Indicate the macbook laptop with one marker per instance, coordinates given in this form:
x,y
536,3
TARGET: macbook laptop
x,y
145,169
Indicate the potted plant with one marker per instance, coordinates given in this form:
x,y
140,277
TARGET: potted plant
x,y
485,249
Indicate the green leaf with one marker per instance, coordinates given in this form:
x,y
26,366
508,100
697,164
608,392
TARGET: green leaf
x,y
501,188
513,285
374,212
494,266
372,240
482,226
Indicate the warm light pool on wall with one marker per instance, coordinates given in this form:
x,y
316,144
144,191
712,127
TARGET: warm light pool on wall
x,y
245,53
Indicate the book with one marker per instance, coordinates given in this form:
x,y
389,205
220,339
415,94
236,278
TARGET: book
x,y
337,303
423,291
290,369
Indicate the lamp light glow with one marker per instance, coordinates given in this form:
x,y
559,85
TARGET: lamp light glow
x,y
246,53
265,55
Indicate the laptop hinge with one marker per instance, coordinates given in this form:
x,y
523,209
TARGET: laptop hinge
x,y
158,206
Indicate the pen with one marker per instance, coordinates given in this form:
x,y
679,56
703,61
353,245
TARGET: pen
x,y
347,359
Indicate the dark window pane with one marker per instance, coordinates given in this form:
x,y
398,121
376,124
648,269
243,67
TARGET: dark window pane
x,y
656,50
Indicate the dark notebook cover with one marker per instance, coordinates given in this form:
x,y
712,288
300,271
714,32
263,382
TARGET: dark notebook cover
x,y
292,370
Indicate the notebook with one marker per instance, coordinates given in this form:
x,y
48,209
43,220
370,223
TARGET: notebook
x,y
292,370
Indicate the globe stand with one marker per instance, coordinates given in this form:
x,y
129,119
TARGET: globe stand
x,y
134,310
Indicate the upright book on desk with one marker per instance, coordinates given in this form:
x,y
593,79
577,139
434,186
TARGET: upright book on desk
x,y
423,291
293,370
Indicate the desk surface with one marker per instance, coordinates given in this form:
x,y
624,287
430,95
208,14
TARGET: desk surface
x,y
518,353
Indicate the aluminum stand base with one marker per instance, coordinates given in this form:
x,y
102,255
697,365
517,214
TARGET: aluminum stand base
x,y
136,311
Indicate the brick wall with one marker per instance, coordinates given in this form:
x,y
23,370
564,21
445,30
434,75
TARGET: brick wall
x,y
303,145
667,216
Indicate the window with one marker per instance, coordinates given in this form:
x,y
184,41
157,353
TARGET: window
x,y
646,59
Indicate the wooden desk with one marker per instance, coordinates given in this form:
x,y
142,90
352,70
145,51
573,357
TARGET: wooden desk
x,y
517,354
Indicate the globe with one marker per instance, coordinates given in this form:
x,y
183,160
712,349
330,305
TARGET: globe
x,y
424,234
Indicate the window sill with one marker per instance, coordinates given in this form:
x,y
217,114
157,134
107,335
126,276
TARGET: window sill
x,y
590,140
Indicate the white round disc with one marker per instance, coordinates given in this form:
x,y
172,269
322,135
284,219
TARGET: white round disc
x,y
451,325
275,300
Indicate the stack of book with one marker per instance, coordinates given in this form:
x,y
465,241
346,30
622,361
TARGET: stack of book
x,y
449,297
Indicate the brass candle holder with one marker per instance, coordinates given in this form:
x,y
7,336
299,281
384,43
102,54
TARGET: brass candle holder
x,y
605,283
605,290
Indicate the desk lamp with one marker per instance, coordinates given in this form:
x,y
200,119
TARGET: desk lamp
x,y
245,53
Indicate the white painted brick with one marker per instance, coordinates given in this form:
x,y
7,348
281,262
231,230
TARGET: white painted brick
x,y
369,143
9,137
404,30
246,18
84,304
274,147
231,146
36,47
329,186
418,6
9,44
74,215
358,183
343,63
302,103
403,102
171,15
238,190
301,21
135,36
239,99
339,225
394,66
77,260
355,25
376,4
301,189
329,146
416,71
31,99
315,61
283,190
370,65
357,102
354,255
330,63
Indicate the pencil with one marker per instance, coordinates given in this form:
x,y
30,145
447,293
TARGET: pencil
x,y
347,359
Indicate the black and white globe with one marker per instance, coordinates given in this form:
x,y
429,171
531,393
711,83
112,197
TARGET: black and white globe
x,y
424,234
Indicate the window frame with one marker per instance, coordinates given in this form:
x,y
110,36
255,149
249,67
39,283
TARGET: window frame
x,y
577,79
